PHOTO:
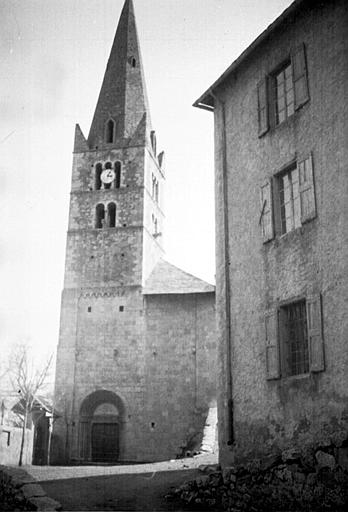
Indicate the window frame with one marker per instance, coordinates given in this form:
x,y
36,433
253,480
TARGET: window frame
x,y
288,169
266,110
273,93
271,224
274,337
110,131
285,346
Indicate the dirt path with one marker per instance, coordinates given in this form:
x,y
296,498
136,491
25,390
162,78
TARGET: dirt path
x,y
136,487
129,492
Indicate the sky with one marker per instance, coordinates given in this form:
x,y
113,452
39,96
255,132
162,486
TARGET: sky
x,y
53,57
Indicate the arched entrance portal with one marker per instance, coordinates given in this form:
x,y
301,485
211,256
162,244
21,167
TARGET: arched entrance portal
x,y
100,427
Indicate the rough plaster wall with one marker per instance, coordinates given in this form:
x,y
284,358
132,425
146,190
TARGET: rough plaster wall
x,y
9,453
309,260
180,376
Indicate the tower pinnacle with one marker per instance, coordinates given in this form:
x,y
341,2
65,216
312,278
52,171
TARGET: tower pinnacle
x,y
122,100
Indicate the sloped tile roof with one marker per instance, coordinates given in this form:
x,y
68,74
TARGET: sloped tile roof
x,y
168,279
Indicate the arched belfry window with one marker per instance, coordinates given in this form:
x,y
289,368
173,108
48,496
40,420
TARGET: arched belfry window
x,y
99,216
98,171
110,131
117,174
107,184
111,220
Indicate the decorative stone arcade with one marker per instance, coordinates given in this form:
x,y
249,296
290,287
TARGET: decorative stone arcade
x,y
101,427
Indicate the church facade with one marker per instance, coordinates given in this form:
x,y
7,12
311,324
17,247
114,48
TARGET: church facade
x,y
135,373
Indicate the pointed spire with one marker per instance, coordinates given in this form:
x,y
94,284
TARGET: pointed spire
x,y
80,143
123,97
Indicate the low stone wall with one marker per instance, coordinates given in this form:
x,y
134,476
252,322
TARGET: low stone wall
x,y
315,480
20,491
10,444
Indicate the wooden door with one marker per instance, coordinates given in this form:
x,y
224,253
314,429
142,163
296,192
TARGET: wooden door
x,y
105,442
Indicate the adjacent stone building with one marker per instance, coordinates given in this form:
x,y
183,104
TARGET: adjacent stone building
x,y
281,131
135,370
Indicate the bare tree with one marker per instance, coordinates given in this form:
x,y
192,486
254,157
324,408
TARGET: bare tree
x,y
27,380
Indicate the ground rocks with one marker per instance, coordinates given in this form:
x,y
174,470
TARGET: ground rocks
x,y
325,460
19,491
312,480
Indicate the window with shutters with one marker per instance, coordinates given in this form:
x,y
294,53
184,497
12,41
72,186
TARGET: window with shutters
x,y
287,201
281,93
293,336
294,339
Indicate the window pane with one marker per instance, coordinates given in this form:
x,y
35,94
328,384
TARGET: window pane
x,y
287,72
280,78
284,94
289,198
281,104
290,109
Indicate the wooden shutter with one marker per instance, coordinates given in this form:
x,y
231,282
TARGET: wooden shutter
x,y
306,189
266,211
272,345
262,106
315,338
299,70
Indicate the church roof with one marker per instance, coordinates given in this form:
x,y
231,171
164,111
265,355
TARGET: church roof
x,y
123,96
168,279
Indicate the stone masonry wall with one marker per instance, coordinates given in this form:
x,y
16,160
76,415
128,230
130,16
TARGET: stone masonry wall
x,y
180,371
108,355
311,259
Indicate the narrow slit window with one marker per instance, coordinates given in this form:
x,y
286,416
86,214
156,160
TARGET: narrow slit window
x,y
153,141
117,174
110,131
98,171
111,215
100,216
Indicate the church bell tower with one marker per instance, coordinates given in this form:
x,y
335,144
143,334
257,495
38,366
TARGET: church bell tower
x,y
116,218
114,241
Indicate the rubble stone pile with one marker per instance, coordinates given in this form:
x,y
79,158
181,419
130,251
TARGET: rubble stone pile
x,y
19,491
314,480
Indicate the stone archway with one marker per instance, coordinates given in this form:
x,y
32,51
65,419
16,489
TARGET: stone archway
x,y
100,427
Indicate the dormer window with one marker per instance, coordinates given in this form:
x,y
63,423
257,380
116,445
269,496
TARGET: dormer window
x,y
110,131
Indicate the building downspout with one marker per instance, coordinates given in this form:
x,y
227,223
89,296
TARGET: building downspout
x,y
230,433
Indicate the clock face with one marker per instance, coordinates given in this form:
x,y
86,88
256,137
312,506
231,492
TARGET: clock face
x,y
107,176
